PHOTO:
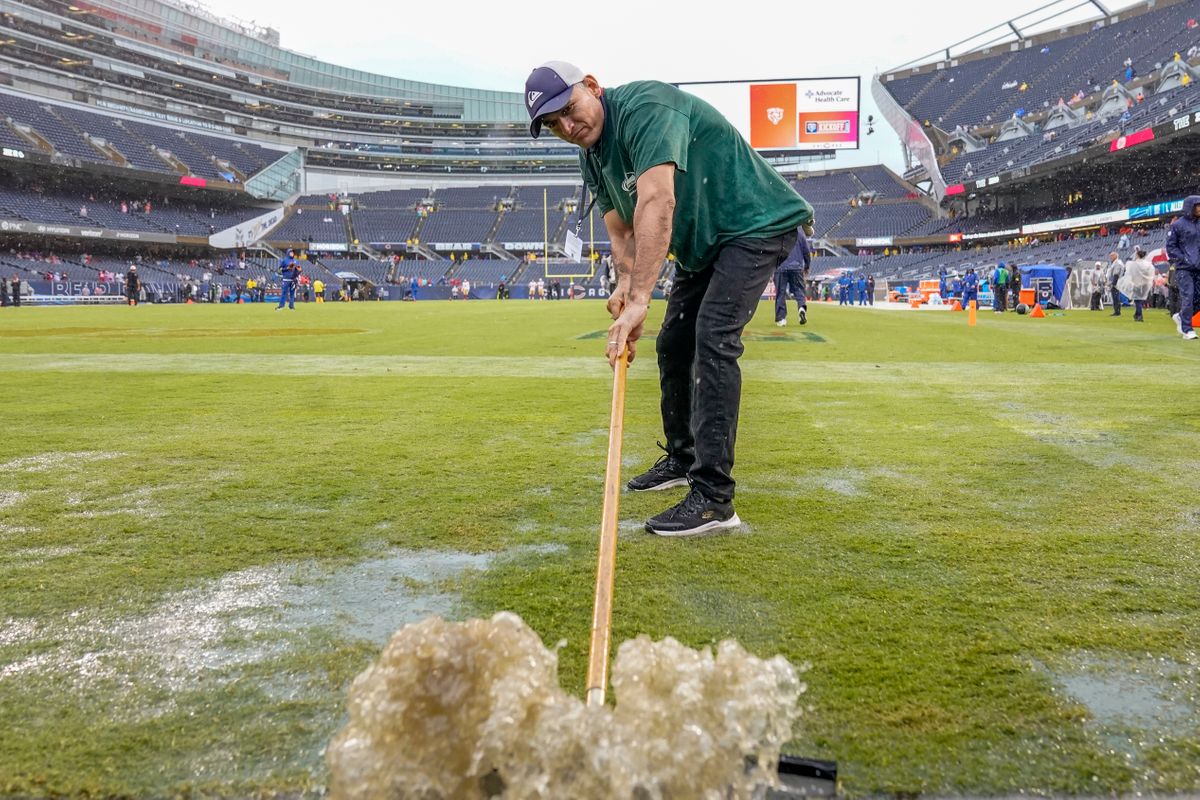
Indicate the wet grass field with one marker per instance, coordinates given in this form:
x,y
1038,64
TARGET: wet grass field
x,y
984,543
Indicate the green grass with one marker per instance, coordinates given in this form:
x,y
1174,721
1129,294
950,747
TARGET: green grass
x,y
945,523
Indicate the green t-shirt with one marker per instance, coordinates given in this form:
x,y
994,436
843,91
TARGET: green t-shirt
x,y
723,189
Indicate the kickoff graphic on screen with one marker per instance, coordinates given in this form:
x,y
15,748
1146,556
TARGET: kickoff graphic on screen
x,y
788,115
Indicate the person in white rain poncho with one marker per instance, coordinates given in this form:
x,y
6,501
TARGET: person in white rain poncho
x,y
1095,283
1137,282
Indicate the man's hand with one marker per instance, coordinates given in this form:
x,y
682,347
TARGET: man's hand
x,y
808,229
625,331
619,297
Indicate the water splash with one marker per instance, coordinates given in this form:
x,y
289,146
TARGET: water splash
x,y
474,710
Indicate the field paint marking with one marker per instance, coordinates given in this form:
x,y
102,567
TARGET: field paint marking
x,y
347,366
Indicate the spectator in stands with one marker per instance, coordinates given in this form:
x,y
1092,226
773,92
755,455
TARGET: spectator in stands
x,y
790,276
1116,268
653,148
132,285
1183,248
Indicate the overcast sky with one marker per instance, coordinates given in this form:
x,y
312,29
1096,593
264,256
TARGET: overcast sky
x,y
493,45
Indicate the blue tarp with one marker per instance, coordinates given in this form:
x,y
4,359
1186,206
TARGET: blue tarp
x,y
1059,274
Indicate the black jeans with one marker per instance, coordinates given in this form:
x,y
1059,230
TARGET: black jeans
x,y
788,280
698,349
1115,296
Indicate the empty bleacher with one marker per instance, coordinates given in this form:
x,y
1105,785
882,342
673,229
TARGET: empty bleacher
x,y
392,198
376,272
326,227
471,197
458,227
383,226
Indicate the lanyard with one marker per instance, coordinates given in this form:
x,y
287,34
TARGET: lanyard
x,y
586,211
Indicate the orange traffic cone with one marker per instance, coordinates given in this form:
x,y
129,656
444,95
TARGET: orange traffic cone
x,y
1037,311
1196,320
956,307
189,301
971,314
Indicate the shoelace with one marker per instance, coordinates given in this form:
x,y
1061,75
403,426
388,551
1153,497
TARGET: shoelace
x,y
694,502
664,458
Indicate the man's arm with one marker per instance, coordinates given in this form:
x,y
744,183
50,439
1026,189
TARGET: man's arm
x,y
1174,251
622,260
652,222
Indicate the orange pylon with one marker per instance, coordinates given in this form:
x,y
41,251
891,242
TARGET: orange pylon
x,y
971,314
1037,311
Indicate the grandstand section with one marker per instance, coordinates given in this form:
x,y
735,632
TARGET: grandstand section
x,y
1027,103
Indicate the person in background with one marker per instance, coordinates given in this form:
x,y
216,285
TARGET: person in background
x,y
790,276
999,288
1138,281
1116,268
970,288
132,285
1183,249
289,273
1095,285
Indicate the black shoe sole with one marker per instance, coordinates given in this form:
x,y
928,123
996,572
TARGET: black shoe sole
x,y
658,487
732,522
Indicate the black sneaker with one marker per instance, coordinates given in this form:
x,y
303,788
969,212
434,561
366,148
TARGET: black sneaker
x,y
666,473
803,316
694,514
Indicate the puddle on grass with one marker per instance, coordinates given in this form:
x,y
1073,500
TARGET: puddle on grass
x,y
196,638
1132,704
1089,440
845,481
47,461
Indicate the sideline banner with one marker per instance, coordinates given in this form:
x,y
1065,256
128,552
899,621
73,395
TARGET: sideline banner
x,y
73,231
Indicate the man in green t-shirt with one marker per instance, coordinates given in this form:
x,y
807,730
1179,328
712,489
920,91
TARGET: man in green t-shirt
x,y
671,175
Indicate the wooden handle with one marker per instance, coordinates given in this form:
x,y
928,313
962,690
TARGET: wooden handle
x,y
606,563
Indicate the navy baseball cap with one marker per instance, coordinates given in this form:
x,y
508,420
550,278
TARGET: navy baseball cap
x,y
548,89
